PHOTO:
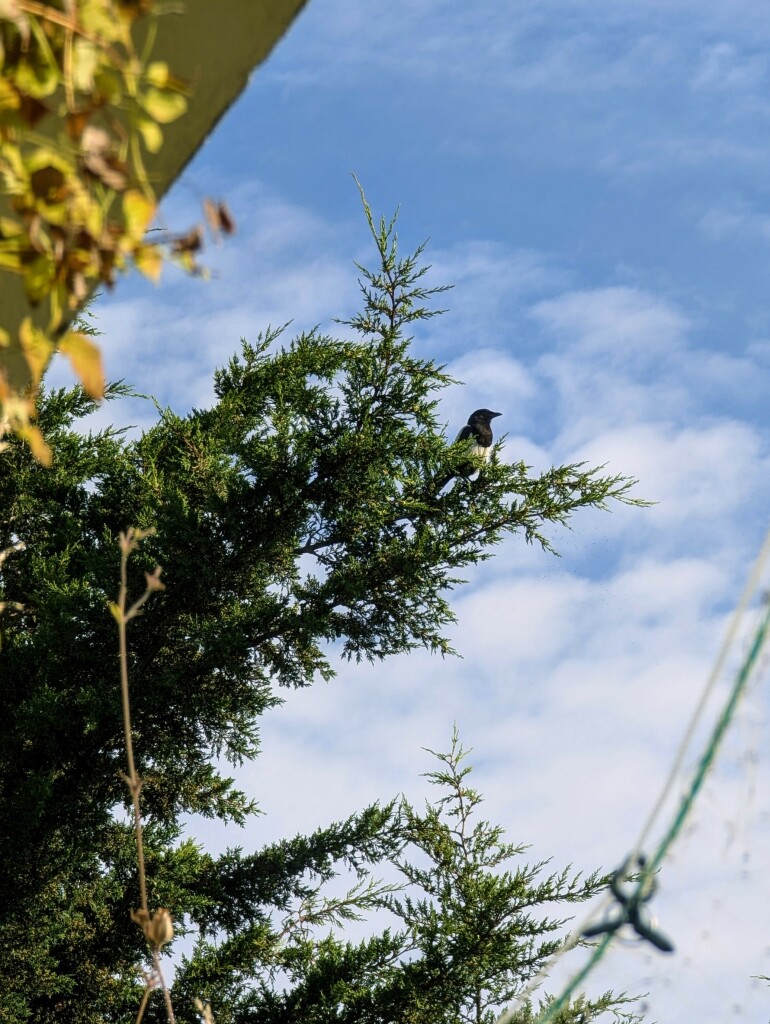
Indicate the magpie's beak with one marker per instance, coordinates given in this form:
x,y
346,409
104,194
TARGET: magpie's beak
x,y
493,414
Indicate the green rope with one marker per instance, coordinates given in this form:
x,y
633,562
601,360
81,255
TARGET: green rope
x,y
711,750
705,763
557,1004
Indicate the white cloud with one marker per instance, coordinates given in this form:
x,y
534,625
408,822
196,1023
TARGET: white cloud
x,y
737,219
615,362
620,323
549,47
489,281
723,67
565,675
578,676
663,153
628,377
491,379
582,57
701,477
573,695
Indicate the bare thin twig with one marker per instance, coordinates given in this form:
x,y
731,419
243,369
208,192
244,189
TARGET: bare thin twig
x,y
157,927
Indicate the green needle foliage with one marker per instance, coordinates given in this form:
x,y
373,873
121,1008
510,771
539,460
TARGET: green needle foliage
x,y
465,934
477,928
297,520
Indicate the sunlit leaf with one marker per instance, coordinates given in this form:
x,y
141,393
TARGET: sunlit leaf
x,y
10,228
157,74
149,261
186,260
38,278
10,260
84,64
45,158
151,134
138,211
37,78
12,166
9,97
86,361
37,348
98,17
91,214
164,105
34,438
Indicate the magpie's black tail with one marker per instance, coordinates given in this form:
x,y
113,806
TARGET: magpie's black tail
x,y
463,472
439,484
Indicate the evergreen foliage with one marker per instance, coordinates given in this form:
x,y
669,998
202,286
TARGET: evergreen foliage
x,y
296,520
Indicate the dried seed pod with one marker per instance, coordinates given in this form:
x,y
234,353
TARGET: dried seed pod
x,y
161,928
158,928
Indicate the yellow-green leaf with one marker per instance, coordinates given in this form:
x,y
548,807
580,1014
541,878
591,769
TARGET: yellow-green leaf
x,y
85,61
156,74
53,213
9,98
36,78
10,228
86,361
108,85
151,134
38,278
13,169
186,260
44,158
164,105
98,17
116,612
37,348
10,260
149,261
138,211
90,212
34,437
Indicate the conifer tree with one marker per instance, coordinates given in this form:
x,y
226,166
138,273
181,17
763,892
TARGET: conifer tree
x,y
465,934
297,518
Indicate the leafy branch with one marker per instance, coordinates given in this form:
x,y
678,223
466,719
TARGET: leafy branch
x,y
80,108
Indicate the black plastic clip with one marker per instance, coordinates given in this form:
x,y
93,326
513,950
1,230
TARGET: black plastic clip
x,y
631,893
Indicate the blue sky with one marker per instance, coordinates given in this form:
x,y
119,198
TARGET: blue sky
x,y
593,179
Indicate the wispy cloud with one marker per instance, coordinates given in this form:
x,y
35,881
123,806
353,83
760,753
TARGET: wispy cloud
x,y
736,220
579,673
551,46
621,324
723,68
623,124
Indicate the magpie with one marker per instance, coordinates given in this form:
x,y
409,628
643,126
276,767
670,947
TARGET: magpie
x,y
477,434
479,429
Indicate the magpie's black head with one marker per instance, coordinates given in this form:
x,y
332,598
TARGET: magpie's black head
x,y
482,416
